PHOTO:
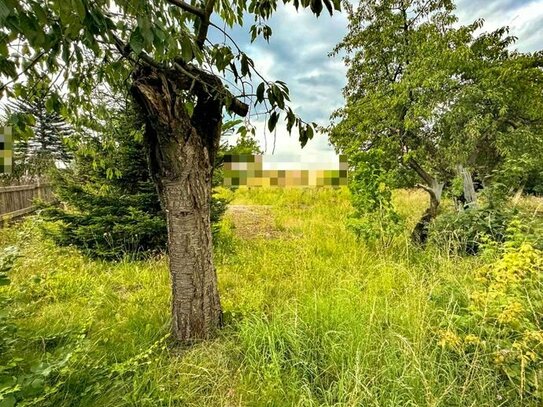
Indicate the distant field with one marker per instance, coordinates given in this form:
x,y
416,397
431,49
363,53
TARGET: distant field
x,y
313,317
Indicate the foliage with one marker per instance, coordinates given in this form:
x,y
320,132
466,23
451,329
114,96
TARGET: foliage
x,y
110,207
467,230
494,222
81,46
501,322
374,217
399,60
534,182
500,133
40,136
433,95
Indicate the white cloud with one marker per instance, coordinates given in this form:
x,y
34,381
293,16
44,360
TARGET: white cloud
x,y
298,54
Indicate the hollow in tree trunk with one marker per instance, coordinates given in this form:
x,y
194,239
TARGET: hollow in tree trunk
x,y
181,149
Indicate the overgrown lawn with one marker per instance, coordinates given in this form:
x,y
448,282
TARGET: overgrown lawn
x,y
312,317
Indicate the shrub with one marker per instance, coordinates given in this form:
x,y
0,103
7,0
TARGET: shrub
x,y
470,231
502,321
374,217
110,207
467,230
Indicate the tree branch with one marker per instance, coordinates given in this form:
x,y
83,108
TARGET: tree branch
x,y
232,103
425,187
188,8
204,26
420,171
30,65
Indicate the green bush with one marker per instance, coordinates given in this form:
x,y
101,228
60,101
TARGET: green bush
x,y
467,230
109,205
502,321
470,231
374,217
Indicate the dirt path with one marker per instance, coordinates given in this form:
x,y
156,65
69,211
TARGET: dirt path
x,y
253,221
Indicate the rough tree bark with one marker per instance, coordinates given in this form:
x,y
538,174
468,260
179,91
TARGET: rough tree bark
x,y
435,190
181,150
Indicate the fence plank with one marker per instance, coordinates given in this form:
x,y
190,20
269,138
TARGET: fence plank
x,y
16,201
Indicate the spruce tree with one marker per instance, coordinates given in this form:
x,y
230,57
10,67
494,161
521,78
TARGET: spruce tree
x,y
109,205
41,149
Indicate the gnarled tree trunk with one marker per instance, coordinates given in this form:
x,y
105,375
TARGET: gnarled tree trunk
x,y
421,230
181,149
435,190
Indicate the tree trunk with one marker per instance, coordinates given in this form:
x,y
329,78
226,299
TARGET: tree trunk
x,y
470,196
435,190
181,149
421,230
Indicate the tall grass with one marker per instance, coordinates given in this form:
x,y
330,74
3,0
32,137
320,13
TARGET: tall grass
x,y
313,318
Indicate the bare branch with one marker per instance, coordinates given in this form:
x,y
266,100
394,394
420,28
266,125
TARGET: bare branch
x,y
425,187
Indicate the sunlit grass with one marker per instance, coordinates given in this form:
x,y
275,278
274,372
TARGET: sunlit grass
x,y
313,317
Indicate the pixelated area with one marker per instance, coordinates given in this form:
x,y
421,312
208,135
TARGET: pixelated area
x,y
6,150
267,171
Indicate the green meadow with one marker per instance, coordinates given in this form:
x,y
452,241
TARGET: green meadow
x,y
312,317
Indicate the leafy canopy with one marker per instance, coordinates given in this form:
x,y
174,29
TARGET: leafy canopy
x,y
82,44
433,95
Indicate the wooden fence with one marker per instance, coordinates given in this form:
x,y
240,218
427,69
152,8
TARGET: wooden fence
x,y
16,201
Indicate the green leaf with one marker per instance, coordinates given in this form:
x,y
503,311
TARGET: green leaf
x,y
79,7
39,12
186,49
316,7
189,106
329,6
272,122
145,26
291,119
229,124
4,48
4,10
8,401
278,96
244,65
136,41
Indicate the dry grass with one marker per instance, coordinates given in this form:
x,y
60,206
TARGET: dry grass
x,y
253,221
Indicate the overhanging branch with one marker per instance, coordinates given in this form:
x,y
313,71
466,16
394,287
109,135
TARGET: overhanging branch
x,y
188,8
33,62
196,74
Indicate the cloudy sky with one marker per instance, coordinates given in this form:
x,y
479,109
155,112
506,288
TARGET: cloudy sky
x,y
298,54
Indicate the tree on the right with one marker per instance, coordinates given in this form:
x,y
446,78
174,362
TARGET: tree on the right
x,y
440,100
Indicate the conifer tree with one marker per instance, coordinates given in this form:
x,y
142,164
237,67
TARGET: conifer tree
x,y
109,205
43,147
